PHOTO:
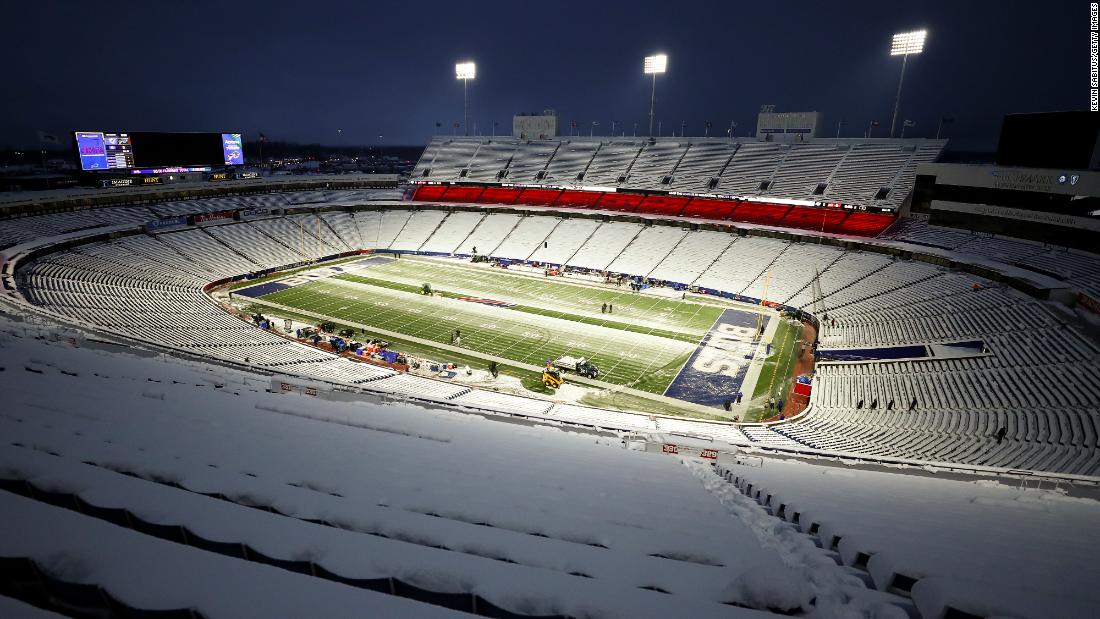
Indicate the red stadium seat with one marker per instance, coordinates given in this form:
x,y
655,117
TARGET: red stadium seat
x,y
709,208
760,213
578,199
860,223
538,197
462,193
429,192
620,201
499,195
816,219
663,205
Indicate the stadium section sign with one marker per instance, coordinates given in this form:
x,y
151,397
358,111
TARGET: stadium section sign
x,y
1056,219
1066,182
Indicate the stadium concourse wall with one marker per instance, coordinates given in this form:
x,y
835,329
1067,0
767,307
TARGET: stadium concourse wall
x,y
797,214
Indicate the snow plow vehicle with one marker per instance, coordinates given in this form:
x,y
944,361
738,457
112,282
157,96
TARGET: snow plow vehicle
x,y
577,365
551,377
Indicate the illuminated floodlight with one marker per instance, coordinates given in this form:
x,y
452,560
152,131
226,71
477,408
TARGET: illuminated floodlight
x,y
465,70
906,43
655,64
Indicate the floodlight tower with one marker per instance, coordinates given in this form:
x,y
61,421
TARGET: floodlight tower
x,y
904,44
654,65
465,71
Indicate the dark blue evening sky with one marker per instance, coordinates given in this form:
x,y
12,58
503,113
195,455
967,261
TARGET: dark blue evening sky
x,y
303,70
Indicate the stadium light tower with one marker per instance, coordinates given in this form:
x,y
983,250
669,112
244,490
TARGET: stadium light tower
x,y
465,71
654,65
905,44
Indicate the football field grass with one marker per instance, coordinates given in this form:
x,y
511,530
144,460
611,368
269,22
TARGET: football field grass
x,y
551,294
776,371
629,356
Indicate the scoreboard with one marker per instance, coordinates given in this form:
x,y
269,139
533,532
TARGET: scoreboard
x,y
104,151
143,150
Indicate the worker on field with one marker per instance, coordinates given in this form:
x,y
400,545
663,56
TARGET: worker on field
x,y
603,309
610,308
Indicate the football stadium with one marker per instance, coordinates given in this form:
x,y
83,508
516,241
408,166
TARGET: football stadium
x,y
567,370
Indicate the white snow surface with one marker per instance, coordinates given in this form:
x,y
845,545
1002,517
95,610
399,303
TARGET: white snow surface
x,y
445,501
982,547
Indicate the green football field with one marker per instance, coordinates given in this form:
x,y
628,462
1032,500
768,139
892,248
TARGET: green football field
x,y
643,344
550,294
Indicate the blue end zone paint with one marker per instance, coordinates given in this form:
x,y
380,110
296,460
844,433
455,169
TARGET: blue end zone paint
x,y
909,352
259,290
717,368
374,260
883,353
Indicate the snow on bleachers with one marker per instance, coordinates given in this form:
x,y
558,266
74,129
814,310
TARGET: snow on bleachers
x,y
690,258
200,247
604,245
1035,379
528,236
452,232
427,158
752,164
489,161
804,167
420,226
260,248
1080,268
865,170
647,250
343,223
849,268
611,161
565,240
529,159
764,436
792,271
330,242
488,234
409,385
741,263
298,235
448,157
378,229
702,162
655,162
264,200
571,159
854,171
935,530
17,230
503,402
511,513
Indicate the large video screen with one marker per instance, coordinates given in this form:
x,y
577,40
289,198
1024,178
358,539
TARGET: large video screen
x,y
152,150
1051,140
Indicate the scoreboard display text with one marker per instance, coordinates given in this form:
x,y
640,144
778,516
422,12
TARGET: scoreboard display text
x,y
106,151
